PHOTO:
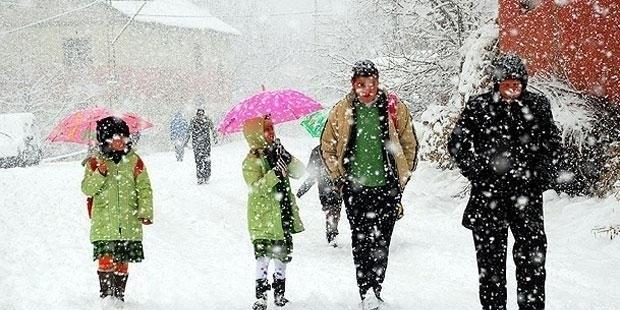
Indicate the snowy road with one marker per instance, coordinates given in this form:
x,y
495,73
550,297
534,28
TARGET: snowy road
x,y
198,254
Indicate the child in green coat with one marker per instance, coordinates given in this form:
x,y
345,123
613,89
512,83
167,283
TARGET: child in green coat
x,y
119,189
273,215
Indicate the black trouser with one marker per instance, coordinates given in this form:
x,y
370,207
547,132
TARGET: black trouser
x,y
525,219
332,217
202,157
371,214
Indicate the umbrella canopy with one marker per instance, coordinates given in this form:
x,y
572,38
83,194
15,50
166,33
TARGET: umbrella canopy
x,y
80,126
315,122
282,105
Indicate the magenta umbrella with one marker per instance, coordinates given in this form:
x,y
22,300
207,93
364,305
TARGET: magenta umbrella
x,y
79,126
282,105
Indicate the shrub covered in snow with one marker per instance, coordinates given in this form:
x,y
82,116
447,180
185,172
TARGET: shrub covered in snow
x,y
477,52
588,126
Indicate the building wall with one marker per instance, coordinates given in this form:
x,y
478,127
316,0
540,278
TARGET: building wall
x,y
572,39
157,69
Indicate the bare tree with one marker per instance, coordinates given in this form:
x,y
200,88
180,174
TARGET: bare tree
x,y
420,43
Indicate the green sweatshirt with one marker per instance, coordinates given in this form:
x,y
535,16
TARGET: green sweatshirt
x,y
368,167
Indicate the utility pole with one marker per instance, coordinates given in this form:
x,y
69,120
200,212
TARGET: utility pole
x,y
111,79
316,26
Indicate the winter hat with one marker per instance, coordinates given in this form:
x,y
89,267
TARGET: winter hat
x,y
364,68
110,126
509,66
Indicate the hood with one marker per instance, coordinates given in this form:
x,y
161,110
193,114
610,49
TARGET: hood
x,y
254,132
509,66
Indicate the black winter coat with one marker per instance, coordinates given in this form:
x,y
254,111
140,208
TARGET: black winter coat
x,y
200,129
505,148
328,193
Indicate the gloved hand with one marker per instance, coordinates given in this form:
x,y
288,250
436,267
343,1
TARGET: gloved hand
x,y
103,168
340,183
270,155
145,221
400,211
275,151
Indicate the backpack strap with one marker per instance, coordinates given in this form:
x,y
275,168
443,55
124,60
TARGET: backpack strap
x,y
89,206
92,163
392,108
138,168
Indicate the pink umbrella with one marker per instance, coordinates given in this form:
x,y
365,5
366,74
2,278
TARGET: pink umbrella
x,y
282,105
79,126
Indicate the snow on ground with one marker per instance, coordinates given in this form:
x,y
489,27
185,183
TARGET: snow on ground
x,y
198,254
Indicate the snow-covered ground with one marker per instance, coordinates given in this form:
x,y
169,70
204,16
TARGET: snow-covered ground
x,y
198,254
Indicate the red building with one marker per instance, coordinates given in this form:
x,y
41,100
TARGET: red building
x,y
577,40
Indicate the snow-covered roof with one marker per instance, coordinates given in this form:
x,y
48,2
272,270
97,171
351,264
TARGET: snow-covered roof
x,y
179,13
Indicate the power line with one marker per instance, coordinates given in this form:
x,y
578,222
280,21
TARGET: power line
x,y
49,18
129,22
212,16
15,4
313,13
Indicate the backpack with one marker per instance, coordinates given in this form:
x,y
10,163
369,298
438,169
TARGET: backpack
x,y
93,164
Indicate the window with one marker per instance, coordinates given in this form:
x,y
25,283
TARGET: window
x,y
528,5
77,52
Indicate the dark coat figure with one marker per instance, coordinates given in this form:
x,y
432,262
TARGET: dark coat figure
x,y
200,130
328,193
506,148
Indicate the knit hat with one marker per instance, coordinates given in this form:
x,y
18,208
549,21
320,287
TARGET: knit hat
x,y
110,126
364,68
507,67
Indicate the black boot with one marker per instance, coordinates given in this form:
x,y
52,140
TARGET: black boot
x,y
106,285
378,294
279,286
120,281
262,286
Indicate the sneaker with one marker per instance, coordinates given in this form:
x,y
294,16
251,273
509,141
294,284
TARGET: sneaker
x,y
280,301
260,304
333,242
370,301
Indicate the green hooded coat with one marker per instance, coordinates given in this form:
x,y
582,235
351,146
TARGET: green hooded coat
x,y
120,199
264,211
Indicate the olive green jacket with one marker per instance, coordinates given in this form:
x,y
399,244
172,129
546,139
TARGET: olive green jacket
x,y
264,211
120,198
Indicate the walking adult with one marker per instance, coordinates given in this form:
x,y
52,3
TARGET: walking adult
x,y
178,134
369,148
200,130
504,143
